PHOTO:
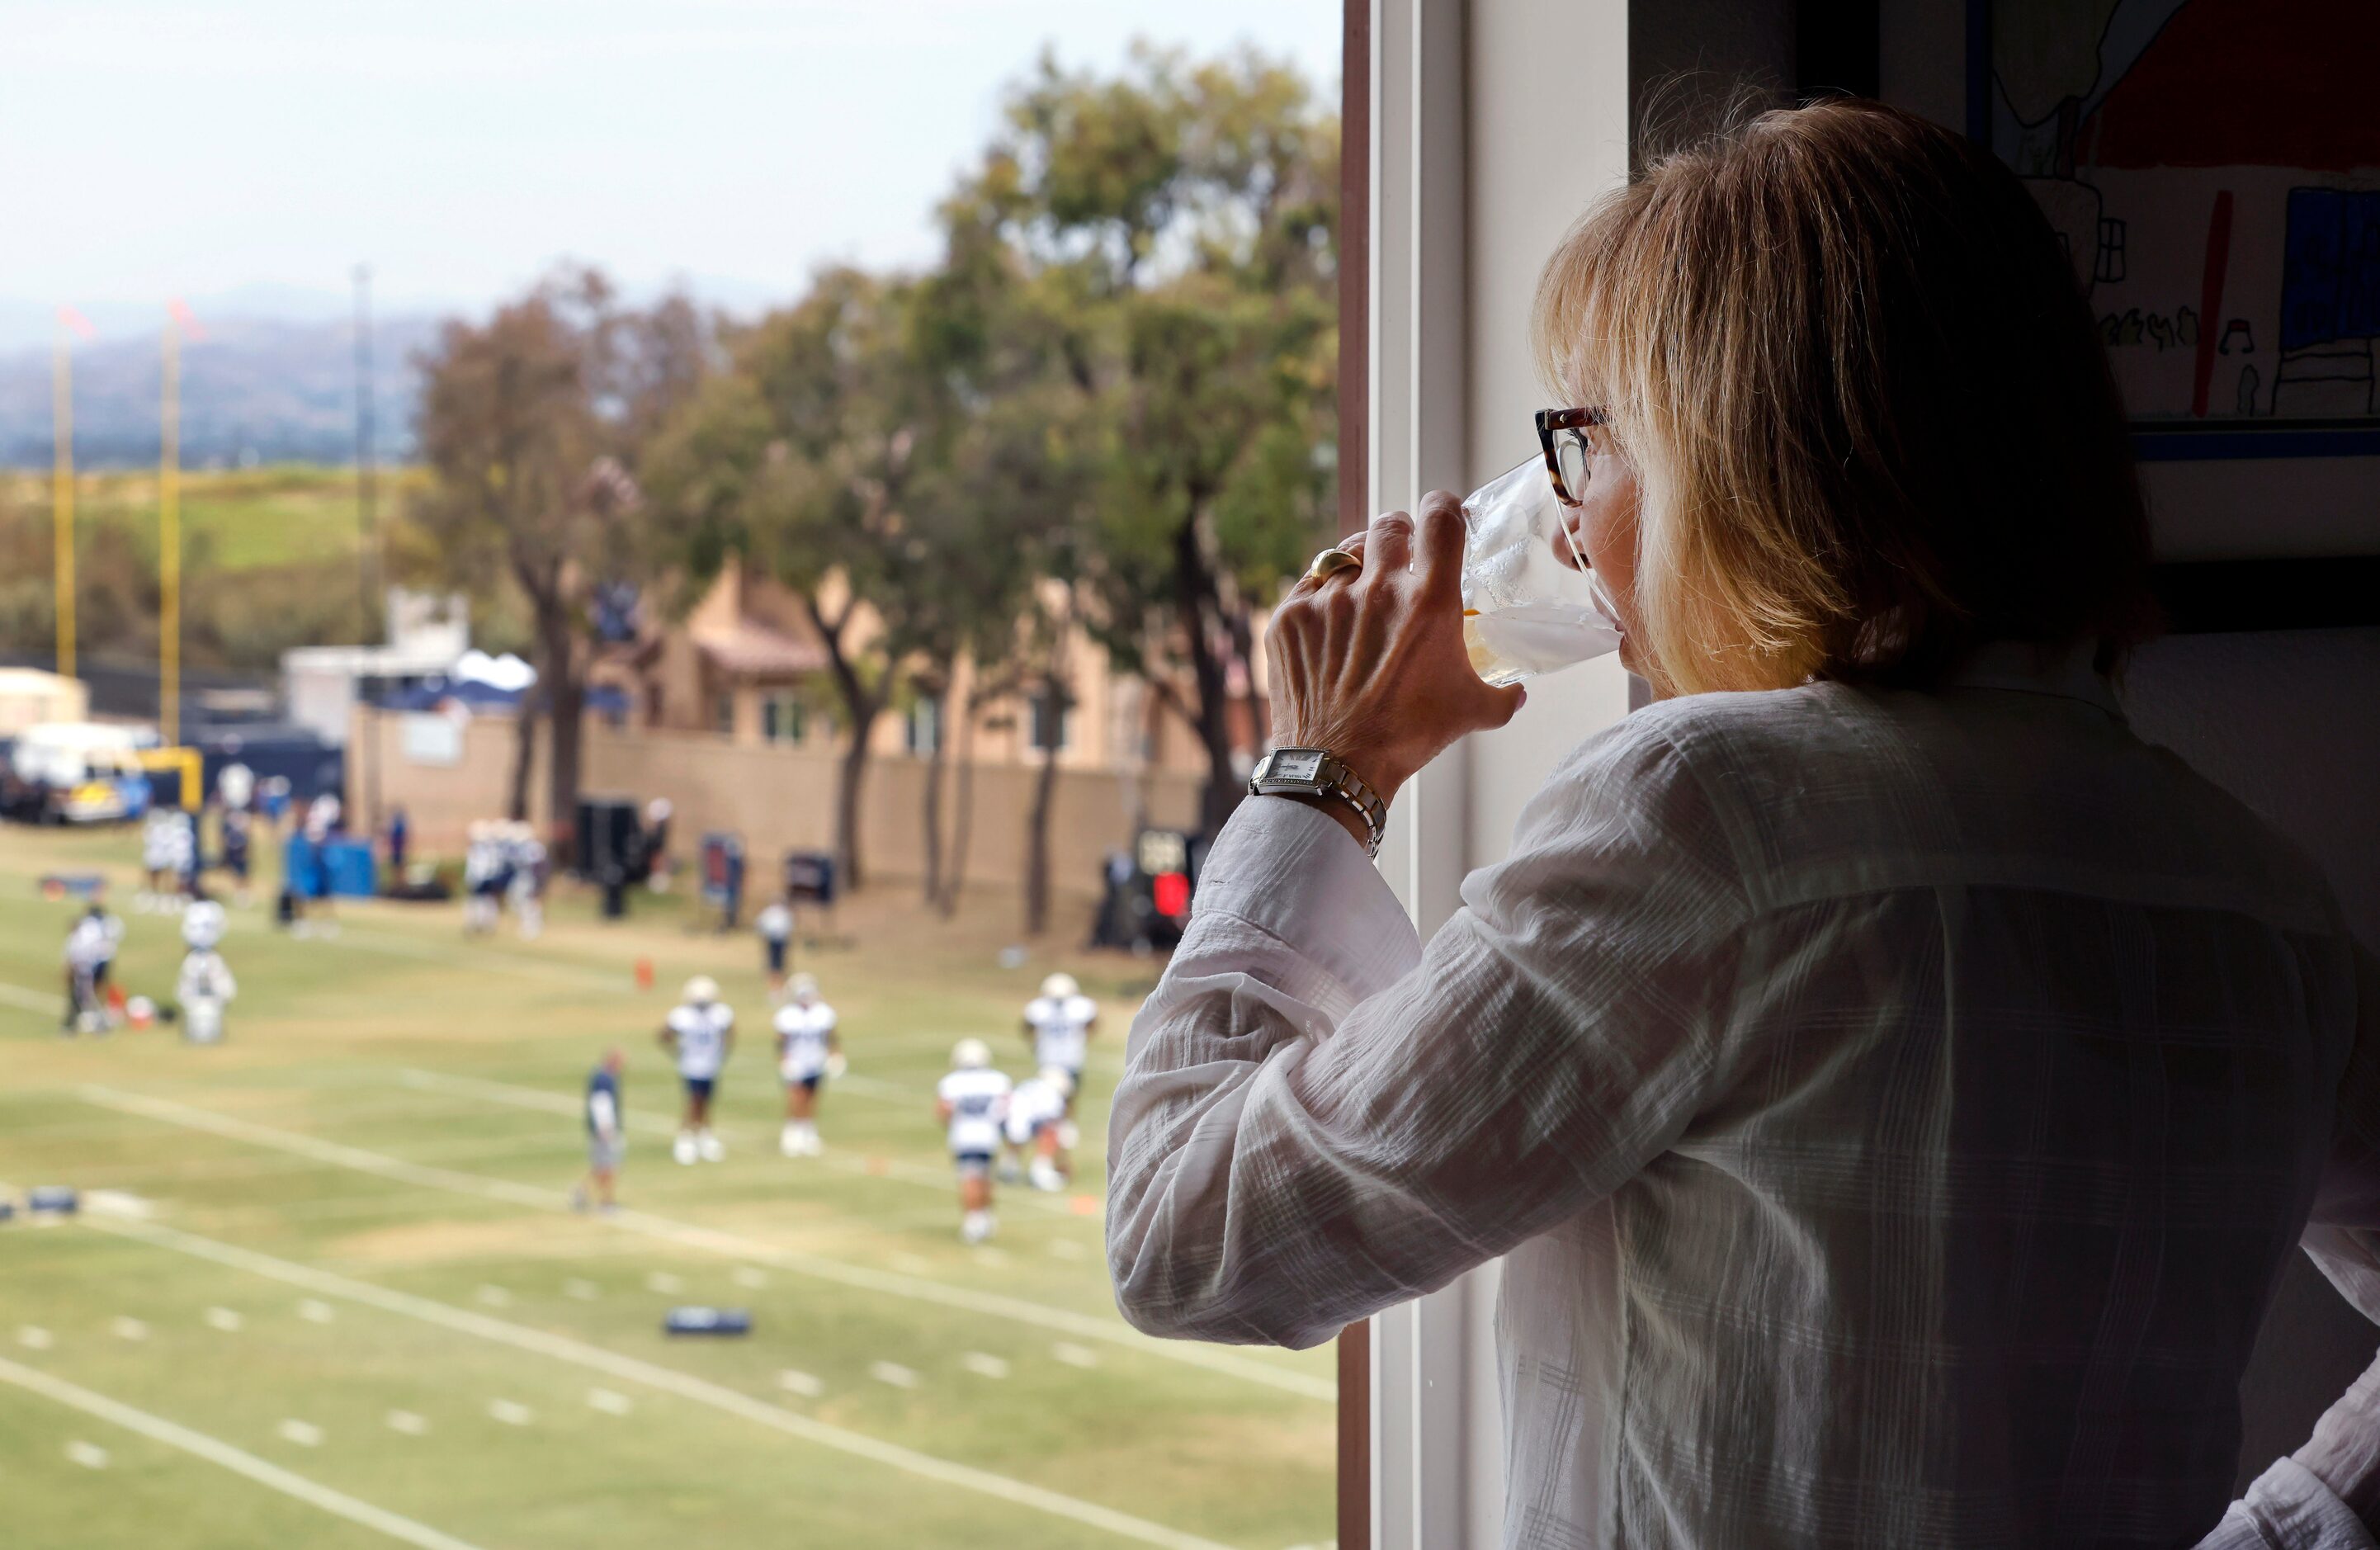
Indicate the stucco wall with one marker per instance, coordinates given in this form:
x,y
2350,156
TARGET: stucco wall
x,y
777,797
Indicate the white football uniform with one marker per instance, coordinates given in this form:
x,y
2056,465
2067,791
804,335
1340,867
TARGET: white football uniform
x,y
978,1102
701,1039
1061,1030
204,987
205,977
775,923
89,944
802,1034
157,841
526,857
1034,1105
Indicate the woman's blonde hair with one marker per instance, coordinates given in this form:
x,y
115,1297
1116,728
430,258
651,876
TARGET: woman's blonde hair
x,y
1865,402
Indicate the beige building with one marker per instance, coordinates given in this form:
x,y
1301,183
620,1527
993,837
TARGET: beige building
x,y
730,714
30,697
749,665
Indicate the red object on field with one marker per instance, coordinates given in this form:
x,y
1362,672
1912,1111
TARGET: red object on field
x,y
115,999
644,973
1171,890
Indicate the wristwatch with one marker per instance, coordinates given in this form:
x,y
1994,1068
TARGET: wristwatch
x,y
1315,772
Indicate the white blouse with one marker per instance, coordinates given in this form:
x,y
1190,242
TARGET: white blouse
x,y
1896,1107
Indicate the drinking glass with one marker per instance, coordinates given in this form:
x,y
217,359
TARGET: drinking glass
x,y
1529,603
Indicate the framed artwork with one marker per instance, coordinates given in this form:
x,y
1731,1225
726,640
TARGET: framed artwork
x,y
2214,169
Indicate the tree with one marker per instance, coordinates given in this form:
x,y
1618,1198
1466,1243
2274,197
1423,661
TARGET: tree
x,y
1171,229
531,425
803,457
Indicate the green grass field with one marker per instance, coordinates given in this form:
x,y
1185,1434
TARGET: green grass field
x,y
240,519
333,1294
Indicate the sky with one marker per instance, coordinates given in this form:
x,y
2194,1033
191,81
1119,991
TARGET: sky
x,y
263,148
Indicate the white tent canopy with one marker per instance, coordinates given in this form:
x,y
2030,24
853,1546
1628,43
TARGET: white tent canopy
x,y
507,672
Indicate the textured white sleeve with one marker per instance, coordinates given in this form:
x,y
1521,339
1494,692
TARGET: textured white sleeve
x,y
1317,1121
2289,1508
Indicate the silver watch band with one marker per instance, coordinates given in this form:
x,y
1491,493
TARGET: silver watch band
x,y
1334,779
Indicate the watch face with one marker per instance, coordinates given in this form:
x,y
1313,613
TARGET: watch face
x,y
1296,763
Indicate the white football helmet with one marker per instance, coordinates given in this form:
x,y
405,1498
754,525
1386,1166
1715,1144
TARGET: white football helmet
x,y
972,1054
804,987
1057,987
202,924
702,990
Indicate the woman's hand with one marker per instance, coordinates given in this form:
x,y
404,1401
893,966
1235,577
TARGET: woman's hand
x,y
1371,664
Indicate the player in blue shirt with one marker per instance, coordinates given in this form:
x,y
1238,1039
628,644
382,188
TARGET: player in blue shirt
x,y
607,1134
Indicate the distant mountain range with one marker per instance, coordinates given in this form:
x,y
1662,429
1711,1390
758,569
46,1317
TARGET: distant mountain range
x,y
254,389
272,379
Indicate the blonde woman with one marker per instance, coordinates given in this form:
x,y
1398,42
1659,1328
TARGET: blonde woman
x,y
1894,1086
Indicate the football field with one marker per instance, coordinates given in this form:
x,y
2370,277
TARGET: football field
x,y
327,1288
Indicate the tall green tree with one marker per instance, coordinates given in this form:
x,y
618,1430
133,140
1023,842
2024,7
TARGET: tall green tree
x,y
1023,456
532,425
1171,232
804,457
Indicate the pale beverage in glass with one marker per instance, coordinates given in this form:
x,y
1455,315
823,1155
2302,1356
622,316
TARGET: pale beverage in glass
x,y
1529,603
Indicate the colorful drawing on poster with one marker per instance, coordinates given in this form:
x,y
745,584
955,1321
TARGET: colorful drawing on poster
x,y
2213,167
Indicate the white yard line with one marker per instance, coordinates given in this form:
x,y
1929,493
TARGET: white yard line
x,y
52,1005
712,1241
653,1123
214,1451
462,956
665,1379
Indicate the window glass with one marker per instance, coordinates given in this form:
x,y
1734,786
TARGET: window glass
x,y
795,487
1053,724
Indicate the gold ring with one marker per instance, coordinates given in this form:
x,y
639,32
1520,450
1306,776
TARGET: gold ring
x,y
1330,563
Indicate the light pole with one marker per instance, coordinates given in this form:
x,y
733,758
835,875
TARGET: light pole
x,y
169,533
367,544
367,471
62,481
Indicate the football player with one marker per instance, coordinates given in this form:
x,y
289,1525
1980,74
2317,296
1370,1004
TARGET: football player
x,y
205,986
525,865
701,1033
1035,1112
1060,1022
87,948
775,924
161,865
972,1101
808,1051
483,879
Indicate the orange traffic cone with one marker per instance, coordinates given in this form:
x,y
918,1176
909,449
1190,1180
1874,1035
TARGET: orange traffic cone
x,y
644,973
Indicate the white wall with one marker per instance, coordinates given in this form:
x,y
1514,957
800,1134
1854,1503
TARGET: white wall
x,y
1495,123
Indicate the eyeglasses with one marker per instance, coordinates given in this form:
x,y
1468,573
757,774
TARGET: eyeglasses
x,y
1563,433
